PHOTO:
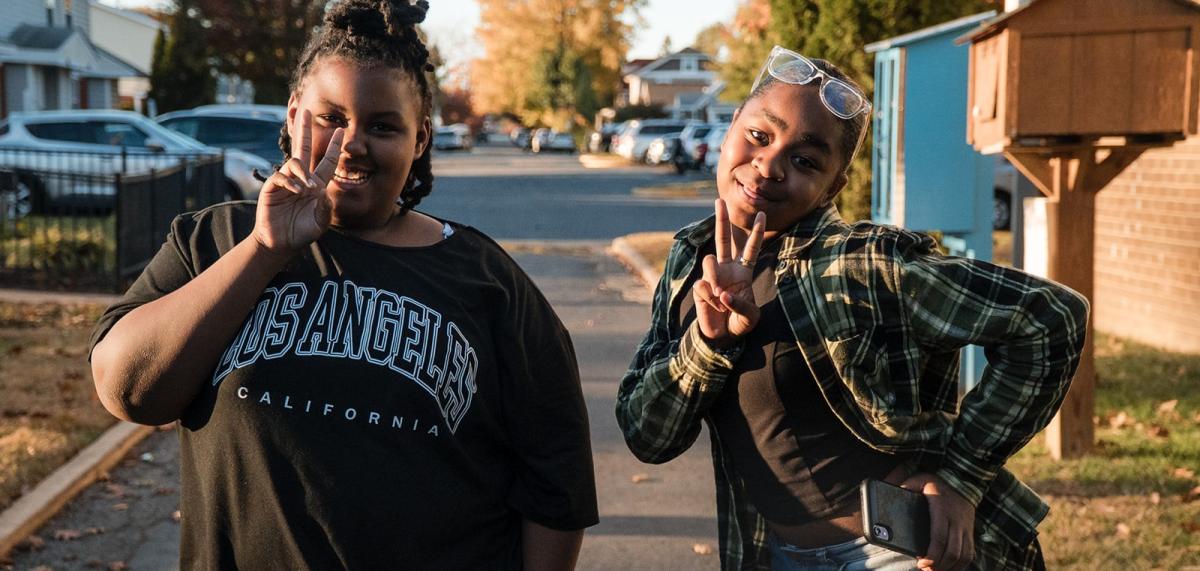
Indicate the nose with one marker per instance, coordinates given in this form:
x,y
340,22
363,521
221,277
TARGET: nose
x,y
769,164
354,140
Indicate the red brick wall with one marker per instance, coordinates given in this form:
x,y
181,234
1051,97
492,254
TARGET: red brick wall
x,y
1148,250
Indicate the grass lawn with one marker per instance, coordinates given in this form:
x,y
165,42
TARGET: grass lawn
x,y
1134,503
49,410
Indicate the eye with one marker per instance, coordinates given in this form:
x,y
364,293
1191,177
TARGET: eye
x,y
803,162
758,136
332,119
383,128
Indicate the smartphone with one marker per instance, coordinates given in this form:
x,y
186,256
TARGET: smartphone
x,y
895,518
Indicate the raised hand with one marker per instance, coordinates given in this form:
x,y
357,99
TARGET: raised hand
x,y
725,306
293,209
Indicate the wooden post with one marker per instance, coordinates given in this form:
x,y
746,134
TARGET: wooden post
x,y
1071,229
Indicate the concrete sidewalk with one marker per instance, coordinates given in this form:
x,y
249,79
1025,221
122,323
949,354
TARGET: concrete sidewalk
x,y
651,517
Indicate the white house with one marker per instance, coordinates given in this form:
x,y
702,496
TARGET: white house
x,y
48,61
674,81
130,36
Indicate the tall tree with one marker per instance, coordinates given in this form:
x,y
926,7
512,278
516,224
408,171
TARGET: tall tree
x,y
712,40
260,40
562,73
835,30
181,76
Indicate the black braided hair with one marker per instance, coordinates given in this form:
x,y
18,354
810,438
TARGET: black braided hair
x,y
375,33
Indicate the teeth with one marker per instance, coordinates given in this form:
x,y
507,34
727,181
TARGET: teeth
x,y
351,176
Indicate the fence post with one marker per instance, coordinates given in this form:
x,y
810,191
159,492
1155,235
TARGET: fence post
x,y
120,214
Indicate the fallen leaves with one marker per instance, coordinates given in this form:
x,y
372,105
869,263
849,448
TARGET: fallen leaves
x,y
67,535
702,549
1183,473
1192,495
641,478
1124,531
1120,420
1157,431
176,516
31,543
120,507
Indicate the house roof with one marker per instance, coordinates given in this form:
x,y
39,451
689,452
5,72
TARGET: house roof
x,y
39,37
654,65
952,26
999,21
63,47
132,16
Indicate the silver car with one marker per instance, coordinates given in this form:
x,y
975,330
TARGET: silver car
x,y
86,147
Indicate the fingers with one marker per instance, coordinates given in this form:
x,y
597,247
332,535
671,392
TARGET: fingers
x,y
703,294
724,239
754,242
324,170
302,139
939,537
709,276
291,183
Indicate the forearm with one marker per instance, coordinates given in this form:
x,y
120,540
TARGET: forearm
x,y
150,365
546,549
660,405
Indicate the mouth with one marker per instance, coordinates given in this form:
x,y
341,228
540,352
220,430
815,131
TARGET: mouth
x,y
753,196
351,177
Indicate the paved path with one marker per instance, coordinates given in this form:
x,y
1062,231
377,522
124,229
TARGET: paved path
x,y
651,525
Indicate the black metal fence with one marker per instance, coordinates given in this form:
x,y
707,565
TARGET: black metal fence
x,y
91,221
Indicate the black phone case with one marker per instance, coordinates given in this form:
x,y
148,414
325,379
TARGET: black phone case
x,y
895,518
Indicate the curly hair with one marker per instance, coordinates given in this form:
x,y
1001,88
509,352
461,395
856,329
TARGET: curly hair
x,y
375,33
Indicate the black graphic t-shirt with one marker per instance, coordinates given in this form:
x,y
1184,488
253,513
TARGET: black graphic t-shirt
x,y
380,407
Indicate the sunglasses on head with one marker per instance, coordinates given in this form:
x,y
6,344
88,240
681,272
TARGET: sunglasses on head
x,y
841,98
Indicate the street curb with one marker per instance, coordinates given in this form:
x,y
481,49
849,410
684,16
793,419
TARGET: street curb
x,y
35,508
38,296
626,254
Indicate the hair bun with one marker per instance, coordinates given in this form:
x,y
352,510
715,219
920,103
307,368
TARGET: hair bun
x,y
382,18
403,13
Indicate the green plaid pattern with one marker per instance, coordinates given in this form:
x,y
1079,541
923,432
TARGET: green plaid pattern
x,y
880,317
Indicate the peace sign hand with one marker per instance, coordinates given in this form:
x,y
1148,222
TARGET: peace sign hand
x,y
293,209
725,306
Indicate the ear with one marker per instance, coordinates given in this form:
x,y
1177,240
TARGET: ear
x,y
293,107
424,135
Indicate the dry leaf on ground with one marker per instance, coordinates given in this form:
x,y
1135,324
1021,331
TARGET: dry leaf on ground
x,y
640,478
121,506
93,531
1168,407
31,543
1120,420
1185,473
1155,498
1123,531
1192,495
118,566
176,516
702,549
67,535
1157,431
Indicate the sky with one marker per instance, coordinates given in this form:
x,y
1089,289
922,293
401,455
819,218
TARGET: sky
x,y
451,24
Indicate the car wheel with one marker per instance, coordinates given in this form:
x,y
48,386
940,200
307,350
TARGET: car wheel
x,y
1001,210
17,199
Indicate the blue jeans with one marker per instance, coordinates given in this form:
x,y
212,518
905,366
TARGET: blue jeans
x,y
855,555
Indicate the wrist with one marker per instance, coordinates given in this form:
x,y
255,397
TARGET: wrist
x,y
261,252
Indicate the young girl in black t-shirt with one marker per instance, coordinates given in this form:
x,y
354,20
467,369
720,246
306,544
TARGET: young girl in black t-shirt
x,y
358,384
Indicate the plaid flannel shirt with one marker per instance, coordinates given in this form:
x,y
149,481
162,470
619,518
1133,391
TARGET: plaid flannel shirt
x,y
879,316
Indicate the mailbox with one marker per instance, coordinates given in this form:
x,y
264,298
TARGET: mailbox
x,y
1057,71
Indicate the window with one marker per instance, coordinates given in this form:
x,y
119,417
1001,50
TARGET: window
x,y
187,127
231,132
72,131
121,135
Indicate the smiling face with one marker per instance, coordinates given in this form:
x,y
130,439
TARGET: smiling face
x,y
781,156
379,110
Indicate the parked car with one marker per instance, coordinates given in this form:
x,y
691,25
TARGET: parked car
x,y
447,139
635,139
662,150
601,141
91,143
712,147
550,140
251,128
520,137
692,147
1002,195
